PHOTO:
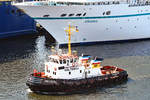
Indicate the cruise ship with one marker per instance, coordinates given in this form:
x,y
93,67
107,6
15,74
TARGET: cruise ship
x,y
98,20
13,21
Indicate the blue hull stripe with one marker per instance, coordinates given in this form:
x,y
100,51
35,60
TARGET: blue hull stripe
x,y
98,17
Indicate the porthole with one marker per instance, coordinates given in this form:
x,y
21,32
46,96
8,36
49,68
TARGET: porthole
x,y
78,14
108,12
13,11
63,15
69,73
84,14
103,13
71,15
45,15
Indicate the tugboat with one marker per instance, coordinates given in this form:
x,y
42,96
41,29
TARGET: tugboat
x,y
67,73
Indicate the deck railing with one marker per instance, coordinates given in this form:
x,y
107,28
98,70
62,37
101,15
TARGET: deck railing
x,y
105,2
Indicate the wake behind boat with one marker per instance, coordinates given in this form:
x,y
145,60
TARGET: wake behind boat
x,y
67,73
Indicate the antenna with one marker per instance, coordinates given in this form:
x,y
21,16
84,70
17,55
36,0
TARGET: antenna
x,y
69,30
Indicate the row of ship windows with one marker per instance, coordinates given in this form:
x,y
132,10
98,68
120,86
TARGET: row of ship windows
x,y
79,14
63,61
70,15
69,72
140,4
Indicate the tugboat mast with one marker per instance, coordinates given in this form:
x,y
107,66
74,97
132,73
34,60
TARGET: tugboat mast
x,y
69,31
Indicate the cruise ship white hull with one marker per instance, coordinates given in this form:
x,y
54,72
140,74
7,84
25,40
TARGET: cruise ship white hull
x,y
123,22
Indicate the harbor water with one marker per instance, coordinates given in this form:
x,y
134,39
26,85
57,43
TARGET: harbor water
x,y
19,56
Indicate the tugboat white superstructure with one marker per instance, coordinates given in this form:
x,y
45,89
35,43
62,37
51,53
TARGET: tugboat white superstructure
x,y
68,73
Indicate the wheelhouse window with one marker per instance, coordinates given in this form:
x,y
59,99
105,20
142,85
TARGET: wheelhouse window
x,y
71,60
67,62
75,60
80,71
54,73
61,62
63,15
56,61
50,59
64,61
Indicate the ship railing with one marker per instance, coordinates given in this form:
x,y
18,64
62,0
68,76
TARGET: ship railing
x,y
135,4
66,3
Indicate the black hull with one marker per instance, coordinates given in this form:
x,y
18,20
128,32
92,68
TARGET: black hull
x,y
64,86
